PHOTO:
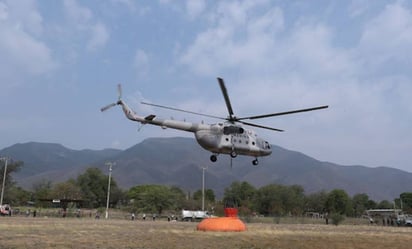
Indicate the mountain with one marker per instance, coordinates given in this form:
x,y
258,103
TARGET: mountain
x,y
179,162
51,161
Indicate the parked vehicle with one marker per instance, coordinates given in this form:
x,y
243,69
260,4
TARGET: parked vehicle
x,y
5,210
190,215
408,221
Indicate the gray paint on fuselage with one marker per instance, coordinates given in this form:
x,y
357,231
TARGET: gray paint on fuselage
x,y
243,144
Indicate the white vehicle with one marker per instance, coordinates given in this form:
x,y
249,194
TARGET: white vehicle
x,y
189,215
408,221
5,210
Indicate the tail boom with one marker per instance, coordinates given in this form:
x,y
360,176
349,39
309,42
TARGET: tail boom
x,y
164,123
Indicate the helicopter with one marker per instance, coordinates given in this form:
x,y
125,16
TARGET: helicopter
x,y
229,137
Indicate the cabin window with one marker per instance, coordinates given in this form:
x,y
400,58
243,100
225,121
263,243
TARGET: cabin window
x,y
227,139
253,143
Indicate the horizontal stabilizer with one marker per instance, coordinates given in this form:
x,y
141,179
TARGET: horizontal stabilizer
x,y
150,117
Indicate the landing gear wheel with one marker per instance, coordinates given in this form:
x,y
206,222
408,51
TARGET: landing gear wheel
x,y
255,162
233,154
213,158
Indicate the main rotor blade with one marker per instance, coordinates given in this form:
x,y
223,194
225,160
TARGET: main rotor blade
x,y
107,107
181,110
260,126
285,113
226,96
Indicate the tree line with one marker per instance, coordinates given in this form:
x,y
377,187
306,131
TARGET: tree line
x,y
90,191
280,200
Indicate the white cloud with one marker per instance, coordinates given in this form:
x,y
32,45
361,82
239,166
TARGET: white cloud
x,y
80,15
22,54
195,7
4,13
129,3
141,62
83,20
99,36
387,39
302,66
358,7
24,13
239,37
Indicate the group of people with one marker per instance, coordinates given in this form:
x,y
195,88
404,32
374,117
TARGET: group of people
x,y
154,217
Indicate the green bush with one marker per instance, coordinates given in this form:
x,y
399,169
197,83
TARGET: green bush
x,y
337,219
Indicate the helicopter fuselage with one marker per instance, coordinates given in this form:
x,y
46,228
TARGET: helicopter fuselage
x,y
226,138
220,138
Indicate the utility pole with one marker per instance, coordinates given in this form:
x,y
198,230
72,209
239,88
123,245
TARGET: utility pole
x,y
203,188
110,164
5,159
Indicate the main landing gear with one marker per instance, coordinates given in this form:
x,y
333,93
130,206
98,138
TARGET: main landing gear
x,y
233,154
213,158
255,162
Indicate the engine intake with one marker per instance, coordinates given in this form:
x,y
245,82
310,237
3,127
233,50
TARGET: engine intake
x,y
227,130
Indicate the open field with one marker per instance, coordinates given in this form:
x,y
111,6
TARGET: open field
x,y
20,232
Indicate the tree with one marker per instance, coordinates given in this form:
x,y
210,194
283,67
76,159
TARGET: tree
x,y
276,199
42,190
372,204
155,198
93,184
293,199
338,202
406,199
17,196
240,194
385,205
360,203
316,202
9,184
209,195
68,190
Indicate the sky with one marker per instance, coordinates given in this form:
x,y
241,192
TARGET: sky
x,y
60,62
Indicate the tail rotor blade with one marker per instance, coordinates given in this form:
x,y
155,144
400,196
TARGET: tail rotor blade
x,y
107,107
119,91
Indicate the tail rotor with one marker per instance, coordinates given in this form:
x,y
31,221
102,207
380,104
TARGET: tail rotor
x,y
119,93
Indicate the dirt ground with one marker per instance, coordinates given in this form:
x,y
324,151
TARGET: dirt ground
x,y
21,232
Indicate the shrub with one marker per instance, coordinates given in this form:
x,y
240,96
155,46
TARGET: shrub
x,y
337,219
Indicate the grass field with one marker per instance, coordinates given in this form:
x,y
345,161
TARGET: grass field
x,y
21,232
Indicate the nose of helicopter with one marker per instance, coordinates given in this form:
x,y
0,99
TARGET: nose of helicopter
x,y
267,149
264,147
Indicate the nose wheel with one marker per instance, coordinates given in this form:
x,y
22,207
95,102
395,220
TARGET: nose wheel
x,y
213,158
255,162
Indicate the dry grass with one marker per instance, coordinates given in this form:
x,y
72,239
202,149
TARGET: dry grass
x,y
18,232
